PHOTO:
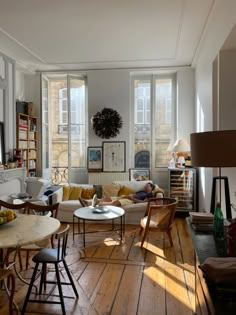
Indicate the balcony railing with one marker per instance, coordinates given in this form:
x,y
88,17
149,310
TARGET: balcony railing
x,y
59,175
74,129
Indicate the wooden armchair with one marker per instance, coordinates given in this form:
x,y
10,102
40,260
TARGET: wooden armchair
x,y
159,216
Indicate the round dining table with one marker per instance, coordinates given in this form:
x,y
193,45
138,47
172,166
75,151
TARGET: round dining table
x,y
27,229
24,230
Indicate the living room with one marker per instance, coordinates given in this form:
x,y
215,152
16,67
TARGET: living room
x,y
202,59
197,107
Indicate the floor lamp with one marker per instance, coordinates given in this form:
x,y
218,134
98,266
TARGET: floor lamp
x,y
215,149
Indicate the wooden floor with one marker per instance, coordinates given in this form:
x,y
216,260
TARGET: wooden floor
x,y
125,279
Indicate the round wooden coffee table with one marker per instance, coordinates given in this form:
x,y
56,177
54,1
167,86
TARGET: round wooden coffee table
x,y
98,213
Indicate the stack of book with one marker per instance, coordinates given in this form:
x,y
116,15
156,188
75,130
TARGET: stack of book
x,y
201,221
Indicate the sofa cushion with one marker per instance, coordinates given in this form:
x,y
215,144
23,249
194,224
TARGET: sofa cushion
x,y
66,192
134,185
75,192
124,191
111,190
87,193
72,192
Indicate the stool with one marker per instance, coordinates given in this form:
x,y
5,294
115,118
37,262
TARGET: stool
x,y
51,256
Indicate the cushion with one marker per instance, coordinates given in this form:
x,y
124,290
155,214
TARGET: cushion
x,y
66,192
75,192
87,193
220,269
124,191
111,190
134,185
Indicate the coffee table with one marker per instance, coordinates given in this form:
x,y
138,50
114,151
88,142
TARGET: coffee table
x,y
99,213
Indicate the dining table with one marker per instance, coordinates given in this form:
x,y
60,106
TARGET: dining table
x,y
25,229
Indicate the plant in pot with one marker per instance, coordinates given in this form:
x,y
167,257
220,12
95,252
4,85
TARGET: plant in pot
x,y
11,162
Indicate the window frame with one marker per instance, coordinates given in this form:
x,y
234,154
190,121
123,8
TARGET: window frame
x,y
153,77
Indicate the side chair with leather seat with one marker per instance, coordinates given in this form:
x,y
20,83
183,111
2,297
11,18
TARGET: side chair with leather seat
x,y
53,256
159,216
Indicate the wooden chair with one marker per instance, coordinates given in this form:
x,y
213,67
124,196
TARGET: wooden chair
x,y
53,256
159,216
39,209
7,275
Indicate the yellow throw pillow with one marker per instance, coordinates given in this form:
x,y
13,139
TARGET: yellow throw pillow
x,y
125,191
88,193
111,190
75,192
66,192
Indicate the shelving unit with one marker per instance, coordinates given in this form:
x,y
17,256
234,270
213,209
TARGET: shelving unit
x,y
183,185
26,141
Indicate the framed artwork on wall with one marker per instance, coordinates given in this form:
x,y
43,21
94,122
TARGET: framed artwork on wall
x,y
94,158
114,156
139,174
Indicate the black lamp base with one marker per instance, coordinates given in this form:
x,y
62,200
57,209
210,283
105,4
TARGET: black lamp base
x,y
227,196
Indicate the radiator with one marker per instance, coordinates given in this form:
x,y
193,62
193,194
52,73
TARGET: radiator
x,y
106,178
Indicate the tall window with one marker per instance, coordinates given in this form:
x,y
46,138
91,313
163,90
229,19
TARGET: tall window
x,y
154,119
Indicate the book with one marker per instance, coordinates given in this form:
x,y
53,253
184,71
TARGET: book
x,y
201,217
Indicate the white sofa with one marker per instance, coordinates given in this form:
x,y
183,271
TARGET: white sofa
x,y
133,212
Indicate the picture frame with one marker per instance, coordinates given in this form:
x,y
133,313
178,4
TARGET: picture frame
x,y
114,156
94,158
139,174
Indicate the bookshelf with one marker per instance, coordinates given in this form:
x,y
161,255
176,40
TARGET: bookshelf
x,y
26,142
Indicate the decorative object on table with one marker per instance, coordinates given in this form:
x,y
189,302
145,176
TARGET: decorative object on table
x,y
7,216
139,174
218,223
107,123
215,149
181,150
18,157
94,158
114,156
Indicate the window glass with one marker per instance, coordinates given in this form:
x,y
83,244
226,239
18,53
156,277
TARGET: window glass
x,y
154,123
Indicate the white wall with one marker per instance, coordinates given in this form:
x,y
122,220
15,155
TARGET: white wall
x,y
221,22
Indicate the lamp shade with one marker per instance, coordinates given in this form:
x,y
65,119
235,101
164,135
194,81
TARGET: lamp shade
x,y
181,145
213,148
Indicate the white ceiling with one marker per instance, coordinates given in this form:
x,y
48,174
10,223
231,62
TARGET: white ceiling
x,y
91,34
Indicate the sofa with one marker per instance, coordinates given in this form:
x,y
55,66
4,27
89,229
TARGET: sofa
x,y
68,196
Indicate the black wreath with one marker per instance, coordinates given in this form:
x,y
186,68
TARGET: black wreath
x,y
106,123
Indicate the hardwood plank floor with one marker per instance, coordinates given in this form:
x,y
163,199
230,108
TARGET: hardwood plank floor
x,y
125,279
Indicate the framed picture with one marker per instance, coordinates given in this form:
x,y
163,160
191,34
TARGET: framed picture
x,y
139,174
114,156
94,158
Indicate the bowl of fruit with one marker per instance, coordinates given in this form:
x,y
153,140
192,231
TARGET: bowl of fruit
x,y
6,216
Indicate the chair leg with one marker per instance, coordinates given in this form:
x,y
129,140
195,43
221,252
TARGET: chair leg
x,y
27,260
11,289
60,289
20,260
169,237
70,278
30,288
143,237
43,278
